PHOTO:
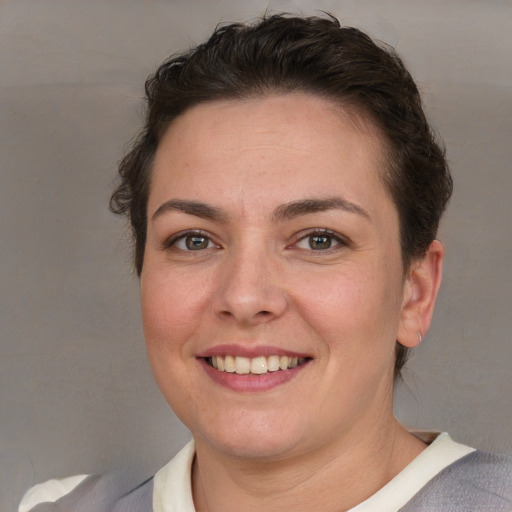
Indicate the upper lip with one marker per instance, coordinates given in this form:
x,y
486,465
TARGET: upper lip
x,y
249,351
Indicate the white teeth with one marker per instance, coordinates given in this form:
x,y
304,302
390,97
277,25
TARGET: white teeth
x,y
242,365
273,363
259,365
256,365
229,364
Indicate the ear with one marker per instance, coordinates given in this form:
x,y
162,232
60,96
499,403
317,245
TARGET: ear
x,y
420,293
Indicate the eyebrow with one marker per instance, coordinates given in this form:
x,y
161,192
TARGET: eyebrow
x,y
306,206
283,212
196,208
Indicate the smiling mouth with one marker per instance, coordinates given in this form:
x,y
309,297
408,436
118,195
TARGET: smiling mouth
x,y
255,365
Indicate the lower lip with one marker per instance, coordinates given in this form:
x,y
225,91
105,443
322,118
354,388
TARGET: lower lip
x,y
251,382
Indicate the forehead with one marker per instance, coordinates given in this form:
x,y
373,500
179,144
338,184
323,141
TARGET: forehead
x,y
295,143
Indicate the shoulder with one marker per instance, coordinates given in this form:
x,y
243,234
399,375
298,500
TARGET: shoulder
x,y
113,493
95,493
480,481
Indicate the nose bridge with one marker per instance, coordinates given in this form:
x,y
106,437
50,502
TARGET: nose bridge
x,y
250,288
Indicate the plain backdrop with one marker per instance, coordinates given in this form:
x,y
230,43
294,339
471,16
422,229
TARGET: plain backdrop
x,y
76,393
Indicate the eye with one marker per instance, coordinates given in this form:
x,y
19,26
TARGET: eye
x,y
320,241
191,241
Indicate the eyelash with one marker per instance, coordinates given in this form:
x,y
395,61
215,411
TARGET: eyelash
x,y
339,241
327,233
171,243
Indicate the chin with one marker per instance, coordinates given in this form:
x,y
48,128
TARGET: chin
x,y
251,448
255,437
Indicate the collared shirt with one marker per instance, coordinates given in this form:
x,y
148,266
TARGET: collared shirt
x,y
172,489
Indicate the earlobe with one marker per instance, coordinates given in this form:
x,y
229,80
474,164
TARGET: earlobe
x,y
420,293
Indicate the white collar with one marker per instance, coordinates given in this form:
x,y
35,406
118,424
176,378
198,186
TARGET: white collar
x,y
442,452
173,488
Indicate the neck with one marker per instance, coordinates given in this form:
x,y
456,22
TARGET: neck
x,y
335,477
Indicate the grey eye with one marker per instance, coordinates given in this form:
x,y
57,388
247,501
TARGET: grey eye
x,y
191,242
320,242
196,242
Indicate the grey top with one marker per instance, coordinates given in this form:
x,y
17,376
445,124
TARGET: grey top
x,y
478,482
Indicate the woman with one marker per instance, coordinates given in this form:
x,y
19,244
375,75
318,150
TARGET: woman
x,y
285,196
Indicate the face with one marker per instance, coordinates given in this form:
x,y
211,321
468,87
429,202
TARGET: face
x,y
272,285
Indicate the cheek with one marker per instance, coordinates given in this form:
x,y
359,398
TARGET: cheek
x,y
172,307
352,308
170,316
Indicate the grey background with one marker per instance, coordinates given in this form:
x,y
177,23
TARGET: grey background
x,y
76,393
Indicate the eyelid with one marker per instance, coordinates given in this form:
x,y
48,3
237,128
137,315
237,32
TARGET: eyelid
x,y
171,241
342,241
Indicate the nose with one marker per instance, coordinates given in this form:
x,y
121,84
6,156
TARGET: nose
x,y
250,290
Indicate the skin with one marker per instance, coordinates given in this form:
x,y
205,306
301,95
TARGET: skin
x,y
325,439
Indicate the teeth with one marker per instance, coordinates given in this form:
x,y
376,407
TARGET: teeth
x,y
259,365
273,363
242,365
229,364
256,365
